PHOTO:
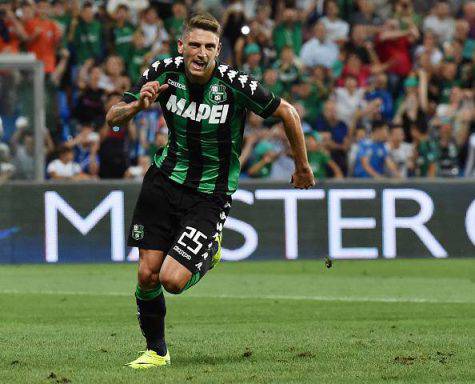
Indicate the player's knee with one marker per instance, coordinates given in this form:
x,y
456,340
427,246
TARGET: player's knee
x,y
171,283
148,278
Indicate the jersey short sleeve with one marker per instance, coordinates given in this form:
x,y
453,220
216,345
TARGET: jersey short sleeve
x,y
250,94
152,73
257,98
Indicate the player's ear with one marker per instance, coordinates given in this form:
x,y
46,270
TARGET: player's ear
x,y
180,46
218,51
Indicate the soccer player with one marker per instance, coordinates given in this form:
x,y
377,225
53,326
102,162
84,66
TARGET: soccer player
x,y
186,193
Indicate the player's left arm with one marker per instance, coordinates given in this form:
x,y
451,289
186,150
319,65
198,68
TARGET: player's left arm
x,y
303,175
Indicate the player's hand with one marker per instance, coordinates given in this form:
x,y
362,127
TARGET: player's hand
x,y
303,178
149,92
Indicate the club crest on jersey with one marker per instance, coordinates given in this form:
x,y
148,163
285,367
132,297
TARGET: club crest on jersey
x,y
217,94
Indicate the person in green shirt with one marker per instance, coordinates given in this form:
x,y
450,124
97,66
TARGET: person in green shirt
x,y
264,154
139,57
289,72
174,24
272,82
85,34
288,32
320,161
252,65
427,152
62,17
122,34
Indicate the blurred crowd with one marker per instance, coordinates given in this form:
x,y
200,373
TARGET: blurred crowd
x,y
384,88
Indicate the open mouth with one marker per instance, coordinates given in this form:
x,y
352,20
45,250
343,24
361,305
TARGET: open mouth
x,y
198,65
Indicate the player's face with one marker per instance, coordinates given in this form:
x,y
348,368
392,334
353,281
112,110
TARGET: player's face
x,y
199,49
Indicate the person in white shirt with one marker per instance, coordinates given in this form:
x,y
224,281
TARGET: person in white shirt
x,y
429,47
400,152
153,29
337,29
441,22
319,50
348,99
64,167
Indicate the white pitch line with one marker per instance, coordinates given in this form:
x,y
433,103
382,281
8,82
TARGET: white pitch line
x,y
386,299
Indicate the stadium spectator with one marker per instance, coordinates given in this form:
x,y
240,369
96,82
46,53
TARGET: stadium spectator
x,y
86,35
448,151
64,167
406,15
372,159
319,158
337,29
265,153
288,69
393,46
113,149
335,134
43,36
86,146
319,50
426,152
288,32
12,32
366,16
349,99
430,47
90,104
137,172
378,90
153,29
174,24
122,33
440,22
400,152
414,107
252,64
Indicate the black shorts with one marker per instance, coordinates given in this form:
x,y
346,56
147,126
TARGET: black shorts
x,y
177,220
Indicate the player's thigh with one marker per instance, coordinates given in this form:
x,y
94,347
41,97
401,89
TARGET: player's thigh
x,y
150,263
199,228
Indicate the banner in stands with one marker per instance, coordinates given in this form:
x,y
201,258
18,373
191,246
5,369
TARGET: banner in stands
x,y
88,222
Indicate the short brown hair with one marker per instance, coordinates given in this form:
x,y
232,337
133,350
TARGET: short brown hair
x,y
204,21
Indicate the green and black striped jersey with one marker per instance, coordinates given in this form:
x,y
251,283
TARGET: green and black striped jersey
x,y
205,122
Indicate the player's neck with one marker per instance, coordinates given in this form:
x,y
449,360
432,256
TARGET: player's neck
x,y
201,79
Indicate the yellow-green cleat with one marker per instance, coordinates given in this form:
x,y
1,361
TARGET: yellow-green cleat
x,y
217,254
149,359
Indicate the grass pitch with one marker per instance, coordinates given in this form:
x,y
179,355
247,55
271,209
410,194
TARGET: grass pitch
x,y
401,321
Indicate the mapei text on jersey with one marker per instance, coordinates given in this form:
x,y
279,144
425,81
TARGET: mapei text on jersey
x,y
216,114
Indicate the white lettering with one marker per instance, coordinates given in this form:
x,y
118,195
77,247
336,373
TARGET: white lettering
x,y
215,114
204,111
224,114
415,223
114,203
470,222
290,198
336,224
190,112
246,230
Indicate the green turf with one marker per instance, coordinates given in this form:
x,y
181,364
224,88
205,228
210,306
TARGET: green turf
x,y
401,321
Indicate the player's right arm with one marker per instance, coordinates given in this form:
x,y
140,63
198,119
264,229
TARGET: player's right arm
x,y
122,112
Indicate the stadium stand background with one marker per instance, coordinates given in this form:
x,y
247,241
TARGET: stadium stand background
x,y
370,79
